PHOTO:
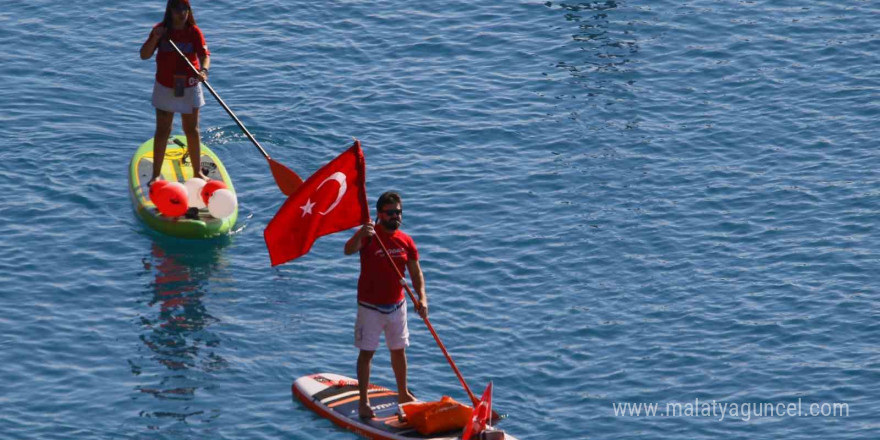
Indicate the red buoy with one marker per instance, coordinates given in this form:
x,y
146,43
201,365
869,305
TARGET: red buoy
x,y
210,187
171,200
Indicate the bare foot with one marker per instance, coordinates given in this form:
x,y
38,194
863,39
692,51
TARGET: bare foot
x,y
401,399
401,415
203,176
405,397
365,412
153,180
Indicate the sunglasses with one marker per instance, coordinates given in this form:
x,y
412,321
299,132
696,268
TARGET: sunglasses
x,y
390,212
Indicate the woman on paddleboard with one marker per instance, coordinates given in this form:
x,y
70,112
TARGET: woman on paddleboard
x,y
177,88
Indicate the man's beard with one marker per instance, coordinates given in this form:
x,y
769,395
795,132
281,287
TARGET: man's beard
x,y
391,225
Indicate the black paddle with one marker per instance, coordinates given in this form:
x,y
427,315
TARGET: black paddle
x,y
285,178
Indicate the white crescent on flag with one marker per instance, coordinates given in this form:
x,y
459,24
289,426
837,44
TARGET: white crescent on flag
x,y
343,186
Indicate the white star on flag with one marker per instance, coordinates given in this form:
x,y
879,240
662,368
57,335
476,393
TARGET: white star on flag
x,y
307,208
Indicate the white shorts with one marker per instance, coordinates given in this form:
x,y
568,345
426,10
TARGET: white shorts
x,y
371,324
164,99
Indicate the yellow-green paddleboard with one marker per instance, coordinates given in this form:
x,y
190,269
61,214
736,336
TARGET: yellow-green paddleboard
x,y
177,168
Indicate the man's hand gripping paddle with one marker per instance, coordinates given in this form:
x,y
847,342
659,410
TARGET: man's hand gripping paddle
x,y
285,178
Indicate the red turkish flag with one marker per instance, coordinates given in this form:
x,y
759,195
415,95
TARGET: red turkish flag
x,y
333,199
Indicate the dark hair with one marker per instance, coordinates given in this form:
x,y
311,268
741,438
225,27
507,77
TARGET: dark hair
x,y
168,21
388,197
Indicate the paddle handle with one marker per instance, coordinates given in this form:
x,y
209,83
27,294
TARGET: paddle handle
x,y
428,323
222,104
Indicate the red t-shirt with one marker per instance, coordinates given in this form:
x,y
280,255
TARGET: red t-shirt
x,y
379,283
191,42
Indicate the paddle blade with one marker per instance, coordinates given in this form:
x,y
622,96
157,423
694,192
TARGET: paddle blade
x,y
285,178
482,412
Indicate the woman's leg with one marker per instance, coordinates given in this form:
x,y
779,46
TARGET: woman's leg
x,y
160,141
193,141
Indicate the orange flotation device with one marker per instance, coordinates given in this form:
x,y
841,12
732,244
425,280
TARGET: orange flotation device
x,y
433,417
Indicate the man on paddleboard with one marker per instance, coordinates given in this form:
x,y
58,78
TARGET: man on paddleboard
x,y
381,303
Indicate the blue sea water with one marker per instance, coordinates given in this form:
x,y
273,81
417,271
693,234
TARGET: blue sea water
x,y
614,201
